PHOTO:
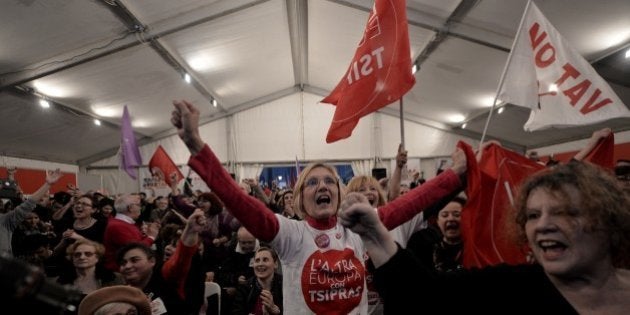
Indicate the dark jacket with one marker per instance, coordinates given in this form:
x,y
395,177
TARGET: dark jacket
x,y
247,295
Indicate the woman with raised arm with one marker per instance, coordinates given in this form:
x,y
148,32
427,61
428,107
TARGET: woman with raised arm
x,y
323,263
574,217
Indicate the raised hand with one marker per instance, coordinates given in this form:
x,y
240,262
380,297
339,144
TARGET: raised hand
x,y
459,162
362,219
401,157
185,117
53,176
196,223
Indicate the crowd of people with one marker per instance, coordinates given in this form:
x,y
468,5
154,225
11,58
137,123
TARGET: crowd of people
x,y
324,247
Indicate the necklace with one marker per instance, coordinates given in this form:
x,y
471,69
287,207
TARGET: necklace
x,y
79,226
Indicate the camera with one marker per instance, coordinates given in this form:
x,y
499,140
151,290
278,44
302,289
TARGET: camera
x,y
27,286
8,189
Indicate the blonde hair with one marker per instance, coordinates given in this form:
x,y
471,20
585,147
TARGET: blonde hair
x,y
299,187
358,181
99,249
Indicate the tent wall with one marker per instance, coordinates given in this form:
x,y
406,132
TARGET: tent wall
x,y
620,137
289,127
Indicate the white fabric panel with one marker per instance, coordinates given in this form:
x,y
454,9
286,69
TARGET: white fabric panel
x,y
317,119
362,167
269,132
620,137
213,133
37,165
116,182
248,171
89,182
420,140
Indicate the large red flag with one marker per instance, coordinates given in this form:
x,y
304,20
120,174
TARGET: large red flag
x,y
162,165
491,191
379,73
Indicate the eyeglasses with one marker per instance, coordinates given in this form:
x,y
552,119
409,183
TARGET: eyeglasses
x,y
313,182
79,254
82,204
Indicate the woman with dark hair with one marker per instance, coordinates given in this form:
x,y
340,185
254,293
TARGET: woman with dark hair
x,y
286,206
218,232
262,294
105,208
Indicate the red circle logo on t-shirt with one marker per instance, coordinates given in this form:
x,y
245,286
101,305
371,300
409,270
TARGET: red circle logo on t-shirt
x,y
333,281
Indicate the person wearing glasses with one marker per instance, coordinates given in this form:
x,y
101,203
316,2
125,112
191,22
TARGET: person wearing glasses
x,y
88,273
323,263
122,229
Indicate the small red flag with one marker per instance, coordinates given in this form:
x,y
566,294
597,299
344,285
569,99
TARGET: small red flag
x,y
603,154
379,73
162,165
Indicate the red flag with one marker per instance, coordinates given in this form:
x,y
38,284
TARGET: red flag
x,y
604,153
491,191
379,73
162,165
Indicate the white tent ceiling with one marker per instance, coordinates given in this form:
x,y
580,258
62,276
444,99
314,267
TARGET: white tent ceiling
x,y
92,57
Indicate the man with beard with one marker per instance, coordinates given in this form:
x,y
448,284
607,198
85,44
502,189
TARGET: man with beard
x,y
441,247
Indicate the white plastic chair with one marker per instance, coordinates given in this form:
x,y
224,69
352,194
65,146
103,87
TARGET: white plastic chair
x,y
211,289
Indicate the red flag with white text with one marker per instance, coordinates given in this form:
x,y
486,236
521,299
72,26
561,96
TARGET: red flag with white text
x,y
379,73
163,166
549,76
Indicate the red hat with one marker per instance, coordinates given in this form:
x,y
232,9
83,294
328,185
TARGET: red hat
x,y
113,294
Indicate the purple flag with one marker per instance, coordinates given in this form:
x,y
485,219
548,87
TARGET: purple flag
x,y
130,155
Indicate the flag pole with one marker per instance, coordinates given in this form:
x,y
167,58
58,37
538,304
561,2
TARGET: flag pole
x,y
119,169
402,123
505,69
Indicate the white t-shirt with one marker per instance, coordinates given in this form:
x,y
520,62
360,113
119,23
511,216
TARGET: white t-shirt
x,y
323,270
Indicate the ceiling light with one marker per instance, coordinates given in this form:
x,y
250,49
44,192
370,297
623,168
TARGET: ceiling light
x,y
500,110
214,103
487,101
97,122
457,118
628,53
464,125
187,78
44,103
49,89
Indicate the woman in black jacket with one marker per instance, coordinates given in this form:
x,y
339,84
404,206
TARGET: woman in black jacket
x,y
262,294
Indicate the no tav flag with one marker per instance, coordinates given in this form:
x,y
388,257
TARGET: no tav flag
x,y
162,166
130,157
547,75
379,73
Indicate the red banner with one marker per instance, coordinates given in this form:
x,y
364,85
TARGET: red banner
x,y
379,73
162,166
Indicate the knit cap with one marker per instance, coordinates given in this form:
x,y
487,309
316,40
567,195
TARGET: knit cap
x,y
118,293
